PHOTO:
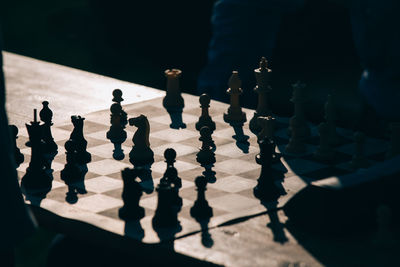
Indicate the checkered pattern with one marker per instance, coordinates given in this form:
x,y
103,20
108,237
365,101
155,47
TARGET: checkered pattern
x,y
231,196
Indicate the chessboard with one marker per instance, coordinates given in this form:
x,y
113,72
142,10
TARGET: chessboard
x,y
231,196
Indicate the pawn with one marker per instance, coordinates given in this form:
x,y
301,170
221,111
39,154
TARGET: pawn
x,y
117,96
205,119
394,149
132,191
201,210
171,177
296,143
117,135
359,160
324,151
170,156
171,173
18,156
235,116
267,125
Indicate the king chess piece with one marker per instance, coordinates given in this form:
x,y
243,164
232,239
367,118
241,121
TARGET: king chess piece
x,y
206,156
141,155
132,191
266,189
36,179
18,156
263,89
173,101
50,148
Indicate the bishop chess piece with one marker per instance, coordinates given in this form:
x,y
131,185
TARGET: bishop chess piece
x,y
267,131
131,193
205,118
394,149
50,148
166,215
359,159
266,190
299,98
141,155
36,179
18,156
235,116
206,156
263,89
173,101
119,119
201,211
325,151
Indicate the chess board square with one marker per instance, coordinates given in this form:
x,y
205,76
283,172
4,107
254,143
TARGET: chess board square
x,y
233,151
105,150
233,184
235,166
181,166
60,134
106,166
191,193
98,203
181,150
151,202
57,166
229,132
166,119
173,135
233,202
102,184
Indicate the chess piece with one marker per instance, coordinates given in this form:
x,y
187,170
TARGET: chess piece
x,y
131,193
71,173
201,210
171,173
141,155
324,152
394,149
171,177
83,157
18,156
299,98
266,189
359,160
267,131
173,101
330,118
296,143
165,215
263,77
206,156
117,134
36,177
205,119
117,96
50,148
235,115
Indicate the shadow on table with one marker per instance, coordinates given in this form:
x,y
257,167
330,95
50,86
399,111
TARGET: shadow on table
x,y
134,229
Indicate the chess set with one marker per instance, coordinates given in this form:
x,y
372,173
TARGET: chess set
x,y
199,165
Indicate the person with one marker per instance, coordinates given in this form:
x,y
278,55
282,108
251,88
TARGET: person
x,y
245,30
17,222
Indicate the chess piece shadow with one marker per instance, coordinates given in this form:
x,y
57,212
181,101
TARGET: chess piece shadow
x,y
35,197
146,180
18,156
206,155
176,119
73,190
277,227
241,139
206,238
134,230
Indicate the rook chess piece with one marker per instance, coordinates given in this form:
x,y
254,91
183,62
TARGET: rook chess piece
x,y
131,193
173,101
18,156
263,76
201,210
235,116
141,155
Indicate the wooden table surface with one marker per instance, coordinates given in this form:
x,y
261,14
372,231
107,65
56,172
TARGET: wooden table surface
x,y
263,240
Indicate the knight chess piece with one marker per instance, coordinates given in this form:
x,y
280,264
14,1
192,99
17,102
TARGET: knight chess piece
x,y
235,116
263,89
141,155
131,193
173,101
18,156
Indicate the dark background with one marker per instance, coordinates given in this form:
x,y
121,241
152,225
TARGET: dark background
x,y
137,40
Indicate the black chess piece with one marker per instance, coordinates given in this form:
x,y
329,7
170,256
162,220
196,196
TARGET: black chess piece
x,y
83,157
117,96
166,215
173,101
171,173
117,134
71,172
205,119
50,148
201,210
266,189
141,155
18,156
131,194
36,178
206,156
